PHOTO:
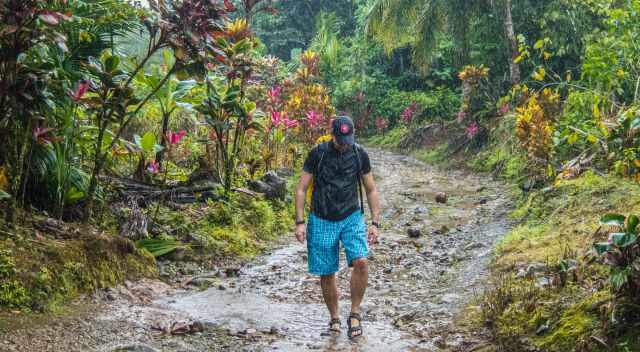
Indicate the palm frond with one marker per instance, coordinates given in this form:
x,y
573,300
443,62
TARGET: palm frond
x,y
159,247
390,22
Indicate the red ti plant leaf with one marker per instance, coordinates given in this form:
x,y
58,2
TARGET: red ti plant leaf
x,y
40,134
49,17
174,138
229,6
81,88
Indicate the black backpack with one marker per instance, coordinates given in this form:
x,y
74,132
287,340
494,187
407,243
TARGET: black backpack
x,y
324,148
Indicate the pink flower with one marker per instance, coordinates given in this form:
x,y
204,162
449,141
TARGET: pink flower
x,y
153,167
461,116
503,109
314,119
81,88
472,130
174,138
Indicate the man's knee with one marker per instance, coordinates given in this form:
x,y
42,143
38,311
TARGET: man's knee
x,y
360,264
328,278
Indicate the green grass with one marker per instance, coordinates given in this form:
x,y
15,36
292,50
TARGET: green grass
x,y
557,223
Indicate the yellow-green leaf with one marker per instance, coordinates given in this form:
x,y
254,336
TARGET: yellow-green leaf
x,y
539,44
573,138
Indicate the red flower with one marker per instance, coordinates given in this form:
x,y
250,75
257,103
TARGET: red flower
x,y
174,138
81,88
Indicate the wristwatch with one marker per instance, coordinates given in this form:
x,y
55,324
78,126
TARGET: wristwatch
x,y
300,222
376,224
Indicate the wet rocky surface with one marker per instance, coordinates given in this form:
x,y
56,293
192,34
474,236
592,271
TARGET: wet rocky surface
x,y
439,229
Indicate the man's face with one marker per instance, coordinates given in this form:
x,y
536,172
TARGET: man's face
x,y
341,147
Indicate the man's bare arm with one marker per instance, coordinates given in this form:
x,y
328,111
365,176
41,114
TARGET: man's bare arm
x,y
373,198
301,195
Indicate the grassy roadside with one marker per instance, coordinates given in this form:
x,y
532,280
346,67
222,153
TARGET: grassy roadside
x,y
44,263
547,290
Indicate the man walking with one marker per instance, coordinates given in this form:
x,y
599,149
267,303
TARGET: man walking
x,y
338,169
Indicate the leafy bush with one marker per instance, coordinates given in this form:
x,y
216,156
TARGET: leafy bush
x,y
622,254
439,104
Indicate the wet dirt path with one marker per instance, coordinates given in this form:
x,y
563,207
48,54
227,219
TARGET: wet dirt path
x,y
417,285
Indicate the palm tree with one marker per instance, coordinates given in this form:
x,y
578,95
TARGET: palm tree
x,y
422,23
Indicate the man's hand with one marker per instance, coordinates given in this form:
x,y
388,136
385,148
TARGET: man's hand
x,y
301,232
373,234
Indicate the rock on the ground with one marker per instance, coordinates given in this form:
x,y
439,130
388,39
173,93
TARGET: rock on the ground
x,y
536,268
441,198
271,185
414,232
136,348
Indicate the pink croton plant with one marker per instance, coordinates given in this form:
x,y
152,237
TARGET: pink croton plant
x,y
314,119
175,137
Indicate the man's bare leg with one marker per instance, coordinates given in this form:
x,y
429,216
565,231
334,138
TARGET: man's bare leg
x,y
330,294
359,280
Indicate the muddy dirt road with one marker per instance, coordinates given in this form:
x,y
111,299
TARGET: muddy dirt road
x,y
417,284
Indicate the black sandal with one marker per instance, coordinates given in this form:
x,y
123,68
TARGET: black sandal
x,y
354,331
334,327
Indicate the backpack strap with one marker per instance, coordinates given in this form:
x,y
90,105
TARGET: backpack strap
x,y
359,176
322,148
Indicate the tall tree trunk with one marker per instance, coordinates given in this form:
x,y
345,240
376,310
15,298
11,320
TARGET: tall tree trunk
x,y
514,68
163,137
97,168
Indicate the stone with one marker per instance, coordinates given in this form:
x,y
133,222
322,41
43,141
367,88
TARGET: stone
x,y
473,245
419,210
259,186
535,268
441,198
271,185
285,172
202,282
542,329
414,232
232,271
136,348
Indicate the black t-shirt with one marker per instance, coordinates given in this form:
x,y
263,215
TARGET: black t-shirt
x,y
335,191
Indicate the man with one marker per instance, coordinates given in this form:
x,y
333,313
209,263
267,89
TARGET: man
x,y
338,169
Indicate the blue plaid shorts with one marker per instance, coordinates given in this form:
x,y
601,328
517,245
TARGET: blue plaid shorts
x,y
324,238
